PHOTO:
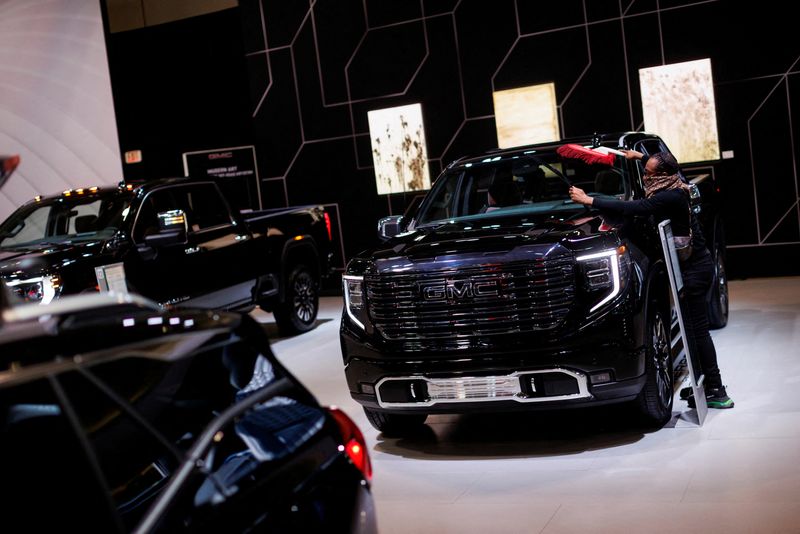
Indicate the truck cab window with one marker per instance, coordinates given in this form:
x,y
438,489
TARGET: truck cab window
x,y
207,207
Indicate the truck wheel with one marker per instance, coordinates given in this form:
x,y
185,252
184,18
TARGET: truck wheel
x,y
718,301
655,399
298,312
395,424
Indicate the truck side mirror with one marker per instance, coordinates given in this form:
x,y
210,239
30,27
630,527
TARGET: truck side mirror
x,y
388,227
172,229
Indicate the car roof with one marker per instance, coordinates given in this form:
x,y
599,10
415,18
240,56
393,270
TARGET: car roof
x,y
54,336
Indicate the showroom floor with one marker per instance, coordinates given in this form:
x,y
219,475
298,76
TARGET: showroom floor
x,y
588,470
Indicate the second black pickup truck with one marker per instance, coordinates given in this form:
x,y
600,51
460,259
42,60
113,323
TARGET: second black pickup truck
x,y
175,241
522,300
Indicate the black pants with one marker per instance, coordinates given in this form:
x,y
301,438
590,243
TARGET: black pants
x,y
698,275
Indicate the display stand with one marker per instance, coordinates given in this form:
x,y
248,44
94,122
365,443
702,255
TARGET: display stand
x,y
676,284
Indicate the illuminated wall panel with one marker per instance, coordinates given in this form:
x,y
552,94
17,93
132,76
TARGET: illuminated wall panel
x,y
526,115
678,104
398,149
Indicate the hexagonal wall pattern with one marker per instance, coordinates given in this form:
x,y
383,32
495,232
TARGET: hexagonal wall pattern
x,y
362,55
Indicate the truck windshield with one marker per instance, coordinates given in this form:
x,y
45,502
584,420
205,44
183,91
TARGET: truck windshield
x,y
512,184
65,219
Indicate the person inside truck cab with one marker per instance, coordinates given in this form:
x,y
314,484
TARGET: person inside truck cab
x,y
534,186
667,197
502,194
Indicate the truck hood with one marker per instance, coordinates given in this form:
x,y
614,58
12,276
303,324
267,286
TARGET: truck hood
x,y
32,260
458,244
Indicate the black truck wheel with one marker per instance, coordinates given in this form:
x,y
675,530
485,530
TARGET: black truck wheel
x,y
655,399
298,312
718,297
395,424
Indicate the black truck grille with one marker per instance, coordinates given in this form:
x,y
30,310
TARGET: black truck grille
x,y
470,304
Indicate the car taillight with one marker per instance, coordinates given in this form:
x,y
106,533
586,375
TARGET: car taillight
x,y
353,445
328,226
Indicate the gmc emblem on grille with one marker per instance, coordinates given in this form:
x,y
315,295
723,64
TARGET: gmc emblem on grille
x,y
460,289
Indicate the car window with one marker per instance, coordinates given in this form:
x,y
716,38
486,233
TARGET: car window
x,y
66,219
515,183
43,459
206,205
32,228
202,205
134,462
137,416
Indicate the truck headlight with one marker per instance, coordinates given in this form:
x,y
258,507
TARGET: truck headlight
x,y
354,302
42,289
605,271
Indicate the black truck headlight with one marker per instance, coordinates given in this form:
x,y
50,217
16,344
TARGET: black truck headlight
x,y
355,302
42,289
605,272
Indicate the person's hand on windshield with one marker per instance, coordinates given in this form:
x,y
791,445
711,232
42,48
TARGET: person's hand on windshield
x,y
579,196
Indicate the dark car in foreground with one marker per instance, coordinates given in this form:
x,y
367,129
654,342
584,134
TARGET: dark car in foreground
x,y
536,303
118,416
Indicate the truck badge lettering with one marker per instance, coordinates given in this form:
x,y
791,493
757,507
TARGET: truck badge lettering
x,y
486,288
460,290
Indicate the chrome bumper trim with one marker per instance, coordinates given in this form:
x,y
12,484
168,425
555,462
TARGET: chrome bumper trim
x,y
481,389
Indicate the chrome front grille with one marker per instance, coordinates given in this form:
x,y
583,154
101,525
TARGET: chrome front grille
x,y
481,387
472,303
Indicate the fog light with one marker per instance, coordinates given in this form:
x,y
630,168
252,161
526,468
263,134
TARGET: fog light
x,y
600,378
369,389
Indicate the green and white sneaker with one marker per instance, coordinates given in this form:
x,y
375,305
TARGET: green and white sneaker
x,y
715,398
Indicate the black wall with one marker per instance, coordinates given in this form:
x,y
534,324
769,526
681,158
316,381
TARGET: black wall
x,y
179,87
297,78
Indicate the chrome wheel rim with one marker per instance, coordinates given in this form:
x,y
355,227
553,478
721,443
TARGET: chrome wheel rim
x,y
722,285
305,301
661,361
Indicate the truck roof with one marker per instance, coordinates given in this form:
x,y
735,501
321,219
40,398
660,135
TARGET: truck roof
x,y
609,139
110,190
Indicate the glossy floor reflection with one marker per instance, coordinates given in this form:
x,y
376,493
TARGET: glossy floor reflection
x,y
589,470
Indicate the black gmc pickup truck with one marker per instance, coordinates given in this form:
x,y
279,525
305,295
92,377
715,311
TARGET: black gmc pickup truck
x,y
174,241
533,303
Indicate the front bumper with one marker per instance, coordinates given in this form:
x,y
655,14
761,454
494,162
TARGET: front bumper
x,y
496,381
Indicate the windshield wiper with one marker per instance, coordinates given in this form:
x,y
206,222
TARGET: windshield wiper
x,y
555,171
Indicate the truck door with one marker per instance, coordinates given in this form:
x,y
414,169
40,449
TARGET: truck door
x,y
210,269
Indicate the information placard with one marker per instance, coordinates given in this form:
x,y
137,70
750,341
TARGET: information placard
x,y
111,278
235,171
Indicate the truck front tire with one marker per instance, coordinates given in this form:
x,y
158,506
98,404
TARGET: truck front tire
x,y
395,424
718,299
655,399
298,311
